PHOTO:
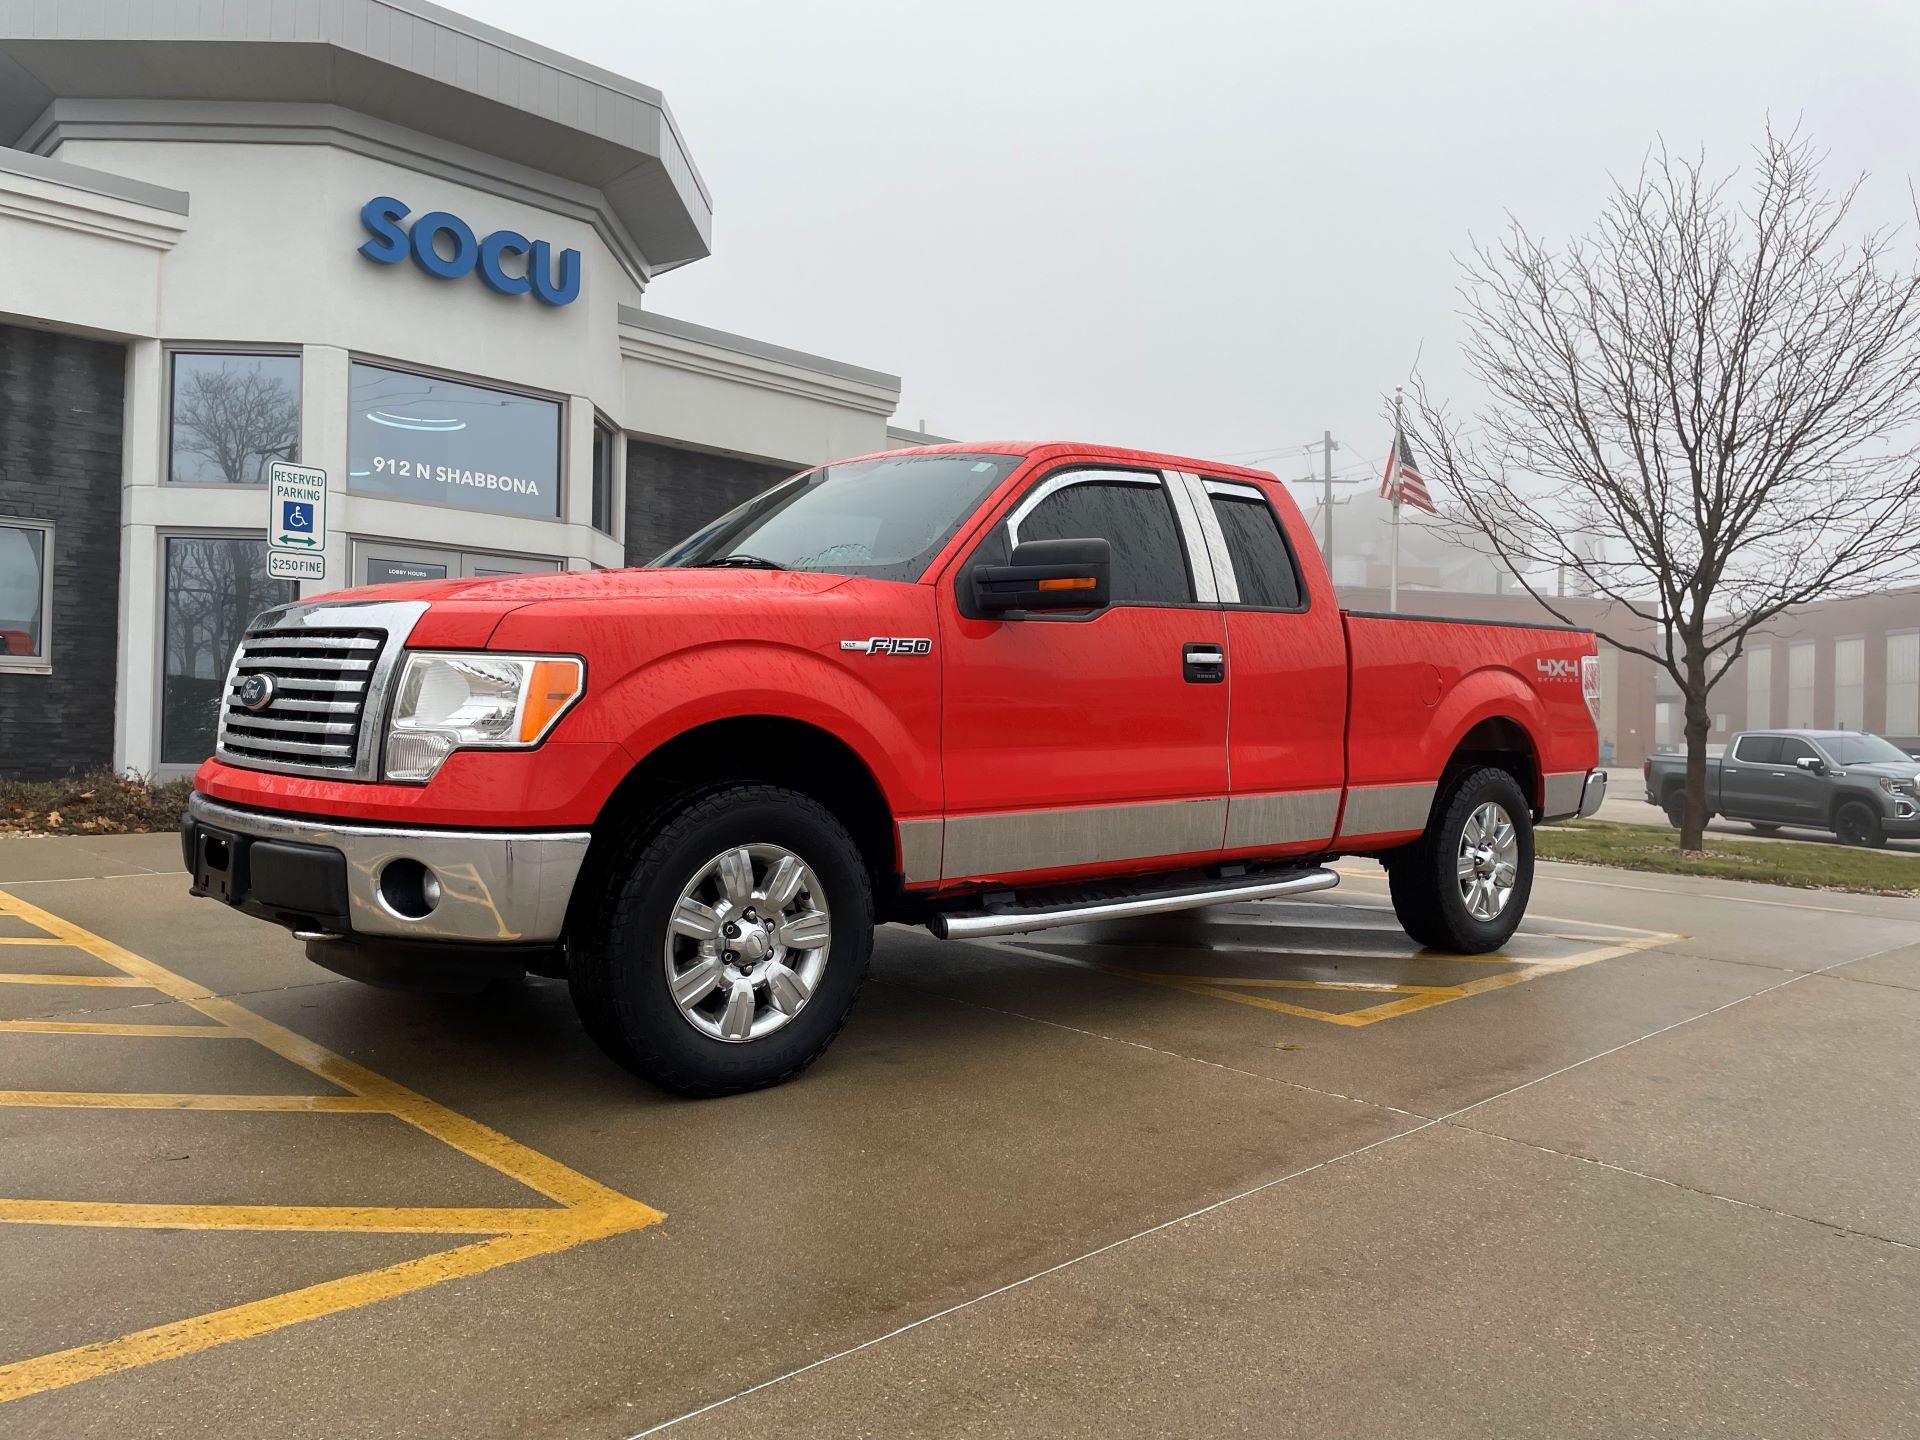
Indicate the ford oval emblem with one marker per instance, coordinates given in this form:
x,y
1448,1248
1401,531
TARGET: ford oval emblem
x,y
255,692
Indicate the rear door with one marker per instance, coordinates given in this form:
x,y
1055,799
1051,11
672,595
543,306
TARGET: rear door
x,y
1749,777
1078,741
1286,676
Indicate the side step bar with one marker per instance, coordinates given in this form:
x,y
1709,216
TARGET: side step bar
x,y
1015,919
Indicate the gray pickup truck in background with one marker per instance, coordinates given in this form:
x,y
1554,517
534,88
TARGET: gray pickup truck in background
x,y
1859,786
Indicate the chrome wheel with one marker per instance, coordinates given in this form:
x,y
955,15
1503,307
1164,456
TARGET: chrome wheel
x,y
747,942
1489,861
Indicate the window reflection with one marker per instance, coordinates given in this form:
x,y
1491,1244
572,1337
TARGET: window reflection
x,y
232,415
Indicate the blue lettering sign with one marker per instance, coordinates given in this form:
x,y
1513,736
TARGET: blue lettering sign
x,y
444,245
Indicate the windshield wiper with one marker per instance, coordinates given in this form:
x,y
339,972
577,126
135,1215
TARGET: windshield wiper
x,y
741,562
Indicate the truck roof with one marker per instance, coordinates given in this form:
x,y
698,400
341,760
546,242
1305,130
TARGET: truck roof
x,y
1044,449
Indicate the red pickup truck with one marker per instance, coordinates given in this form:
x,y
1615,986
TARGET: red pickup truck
x,y
984,688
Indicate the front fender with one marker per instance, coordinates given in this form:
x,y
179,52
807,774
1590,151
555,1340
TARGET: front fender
x,y
890,721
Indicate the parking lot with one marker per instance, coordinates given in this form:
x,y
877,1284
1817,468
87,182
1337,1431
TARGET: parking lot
x,y
1262,1170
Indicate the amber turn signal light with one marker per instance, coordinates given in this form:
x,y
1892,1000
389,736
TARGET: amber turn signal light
x,y
1078,582
551,687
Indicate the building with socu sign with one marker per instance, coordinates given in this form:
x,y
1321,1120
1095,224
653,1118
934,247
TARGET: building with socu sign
x,y
378,240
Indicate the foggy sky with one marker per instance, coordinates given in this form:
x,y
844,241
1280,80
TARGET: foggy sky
x,y
1211,228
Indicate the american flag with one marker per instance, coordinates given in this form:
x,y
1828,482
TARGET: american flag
x,y
1402,481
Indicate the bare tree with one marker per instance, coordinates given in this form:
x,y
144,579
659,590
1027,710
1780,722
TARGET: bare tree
x,y
1705,410
238,418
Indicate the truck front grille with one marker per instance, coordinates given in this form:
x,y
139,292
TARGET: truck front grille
x,y
307,716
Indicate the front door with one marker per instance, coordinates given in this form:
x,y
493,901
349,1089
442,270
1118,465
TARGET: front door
x,y
1076,741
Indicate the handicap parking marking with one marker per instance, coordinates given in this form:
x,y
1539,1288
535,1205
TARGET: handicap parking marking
x,y
1258,991
581,1209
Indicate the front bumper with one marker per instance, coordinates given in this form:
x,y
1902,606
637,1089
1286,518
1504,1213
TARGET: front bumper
x,y
312,874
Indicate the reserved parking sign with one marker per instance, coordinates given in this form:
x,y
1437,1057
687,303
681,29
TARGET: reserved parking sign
x,y
296,521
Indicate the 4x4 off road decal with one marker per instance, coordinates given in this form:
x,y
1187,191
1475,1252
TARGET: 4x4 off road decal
x,y
890,645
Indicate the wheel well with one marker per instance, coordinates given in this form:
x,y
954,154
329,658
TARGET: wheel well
x,y
771,749
1502,744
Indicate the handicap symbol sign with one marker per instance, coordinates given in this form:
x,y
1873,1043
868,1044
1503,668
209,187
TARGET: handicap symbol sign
x,y
296,515
297,521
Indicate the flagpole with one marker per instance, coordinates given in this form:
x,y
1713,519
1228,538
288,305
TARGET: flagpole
x,y
1393,571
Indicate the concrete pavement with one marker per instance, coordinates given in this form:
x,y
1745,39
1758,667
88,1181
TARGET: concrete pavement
x,y
1265,1170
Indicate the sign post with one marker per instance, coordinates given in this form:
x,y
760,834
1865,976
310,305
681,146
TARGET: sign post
x,y
296,521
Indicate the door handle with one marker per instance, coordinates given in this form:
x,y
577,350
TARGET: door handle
x,y
1203,664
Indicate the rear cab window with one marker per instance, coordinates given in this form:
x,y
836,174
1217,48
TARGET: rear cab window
x,y
1758,750
1264,570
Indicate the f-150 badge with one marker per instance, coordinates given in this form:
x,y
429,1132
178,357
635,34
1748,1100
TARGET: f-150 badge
x,y
890,645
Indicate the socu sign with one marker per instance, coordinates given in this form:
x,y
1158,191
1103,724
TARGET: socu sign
x,y
444,245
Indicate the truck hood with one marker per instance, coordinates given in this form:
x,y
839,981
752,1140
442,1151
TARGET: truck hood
x,y
513,591
1885,770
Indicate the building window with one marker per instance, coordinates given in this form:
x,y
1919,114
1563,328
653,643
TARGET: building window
x,y
604,448
1903,683
1849,682
1800,685
214,586
232,415
1759,689
26,594
418,437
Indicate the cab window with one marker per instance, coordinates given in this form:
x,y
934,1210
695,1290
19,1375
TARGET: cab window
x,y
1793,750
1135,517
1759,750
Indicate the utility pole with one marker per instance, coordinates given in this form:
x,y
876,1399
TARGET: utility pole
x,y
1327,446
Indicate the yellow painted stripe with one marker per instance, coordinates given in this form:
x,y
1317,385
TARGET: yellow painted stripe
x,y
104,1027
385,1219
119,982
31,940
150,1100
483,1143
259,1317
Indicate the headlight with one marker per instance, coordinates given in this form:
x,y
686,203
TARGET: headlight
x,y
449,702
1897,787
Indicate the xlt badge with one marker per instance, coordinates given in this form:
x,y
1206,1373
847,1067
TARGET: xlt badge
x,y
890,645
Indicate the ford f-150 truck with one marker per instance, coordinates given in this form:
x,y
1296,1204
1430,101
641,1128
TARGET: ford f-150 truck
x,y
985,688
1859,786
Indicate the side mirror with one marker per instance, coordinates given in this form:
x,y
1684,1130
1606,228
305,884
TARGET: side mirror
x,y
1047,575
1812,764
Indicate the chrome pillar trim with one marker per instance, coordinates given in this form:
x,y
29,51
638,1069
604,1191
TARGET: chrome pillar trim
x,y
1283,818
1011,841
1561,791
396,617
1594,792
1387,809
1206,549
920,850
1015,922
496,886
1215,537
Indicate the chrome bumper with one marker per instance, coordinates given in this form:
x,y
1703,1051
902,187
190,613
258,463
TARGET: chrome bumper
x,y
1594,793
496,887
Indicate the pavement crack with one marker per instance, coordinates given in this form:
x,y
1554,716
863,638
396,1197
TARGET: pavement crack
x,y
1671,1183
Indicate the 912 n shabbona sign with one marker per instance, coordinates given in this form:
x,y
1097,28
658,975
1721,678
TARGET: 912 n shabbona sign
x,y
507,261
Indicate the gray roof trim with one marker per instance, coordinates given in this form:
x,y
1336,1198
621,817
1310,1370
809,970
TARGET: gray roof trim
x,y
906,436
407,62
94,182
744,345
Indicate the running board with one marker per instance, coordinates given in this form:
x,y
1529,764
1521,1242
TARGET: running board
x,y
1017,919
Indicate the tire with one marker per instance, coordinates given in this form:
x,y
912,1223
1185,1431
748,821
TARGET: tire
x,y
618,971
1858,824
1424,880
1676,807
1764,827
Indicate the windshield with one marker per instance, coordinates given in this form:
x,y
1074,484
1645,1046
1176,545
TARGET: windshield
x,y
1862,750
884,519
